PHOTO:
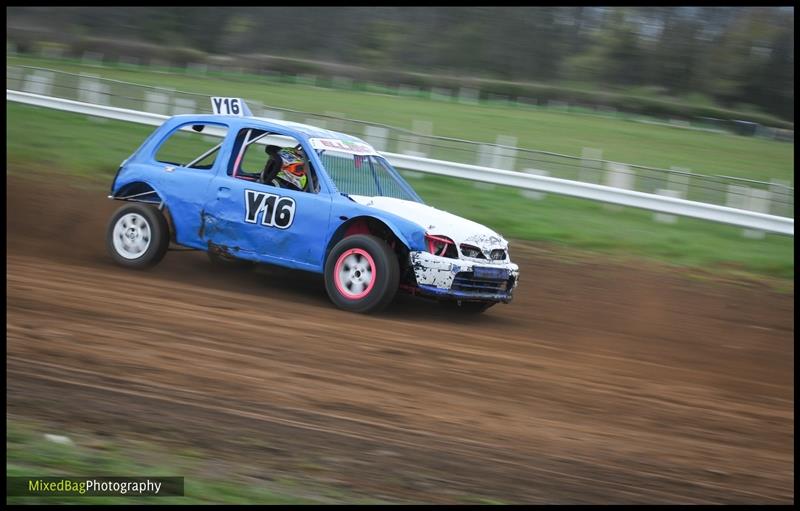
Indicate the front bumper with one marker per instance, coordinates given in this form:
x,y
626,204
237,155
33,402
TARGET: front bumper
x,y
459,279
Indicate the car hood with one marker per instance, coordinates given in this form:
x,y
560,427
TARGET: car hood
x,y
438,222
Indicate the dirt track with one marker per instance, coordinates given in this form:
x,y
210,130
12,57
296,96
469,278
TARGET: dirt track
x,y
600,383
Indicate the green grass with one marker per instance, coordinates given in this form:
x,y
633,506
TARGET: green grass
x,y
47,140
568,133
28,453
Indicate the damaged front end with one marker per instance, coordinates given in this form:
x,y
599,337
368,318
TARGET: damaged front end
x,y
462,279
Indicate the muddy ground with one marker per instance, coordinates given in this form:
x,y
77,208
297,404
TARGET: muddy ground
x,y
602,382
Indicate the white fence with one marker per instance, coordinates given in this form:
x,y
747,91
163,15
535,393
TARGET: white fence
x,y
525,181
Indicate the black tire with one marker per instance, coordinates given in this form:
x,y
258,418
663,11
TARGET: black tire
x,y
384,276
472,308
219,260
149,224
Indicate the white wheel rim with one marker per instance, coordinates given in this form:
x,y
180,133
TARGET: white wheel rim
x,y
132,235
355,274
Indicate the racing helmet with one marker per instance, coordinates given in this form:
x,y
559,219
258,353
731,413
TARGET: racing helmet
x,y
293,169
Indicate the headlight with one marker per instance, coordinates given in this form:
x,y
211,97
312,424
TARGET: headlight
x,y
470,251
498,254
441,246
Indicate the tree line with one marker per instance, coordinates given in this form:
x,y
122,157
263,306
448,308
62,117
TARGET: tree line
x,y
731,56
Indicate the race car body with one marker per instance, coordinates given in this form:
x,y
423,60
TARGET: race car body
x,y
344,211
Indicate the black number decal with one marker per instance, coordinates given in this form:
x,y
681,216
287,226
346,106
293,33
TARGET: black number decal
x,y
285,213
270,212
276,211
235,106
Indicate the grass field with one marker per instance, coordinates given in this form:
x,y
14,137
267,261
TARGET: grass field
x,y
568,133
30,454
46,140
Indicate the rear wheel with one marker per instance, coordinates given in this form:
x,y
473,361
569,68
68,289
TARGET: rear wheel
x,y
137,236
362,274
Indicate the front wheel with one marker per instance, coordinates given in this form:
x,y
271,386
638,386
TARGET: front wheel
x,y
362,274
137,236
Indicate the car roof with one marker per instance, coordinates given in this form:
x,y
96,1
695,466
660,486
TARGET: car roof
x,y
307,130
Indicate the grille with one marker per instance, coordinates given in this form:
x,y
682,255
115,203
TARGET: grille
x,y
466,281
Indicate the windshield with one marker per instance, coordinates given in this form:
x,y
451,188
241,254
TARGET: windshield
x,y
368,175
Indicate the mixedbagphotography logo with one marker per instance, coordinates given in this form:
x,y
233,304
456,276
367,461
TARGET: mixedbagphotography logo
x,y
86,486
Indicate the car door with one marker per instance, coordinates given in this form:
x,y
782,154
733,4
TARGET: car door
x,y
263,222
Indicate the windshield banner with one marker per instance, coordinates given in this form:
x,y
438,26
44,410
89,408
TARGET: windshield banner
x,y
360,148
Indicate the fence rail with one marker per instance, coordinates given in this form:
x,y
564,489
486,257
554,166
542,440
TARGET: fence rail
x,y
531,180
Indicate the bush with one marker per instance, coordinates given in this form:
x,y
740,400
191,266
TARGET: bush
x,y
114,50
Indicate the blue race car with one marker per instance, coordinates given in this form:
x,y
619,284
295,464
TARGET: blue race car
x,y
249,190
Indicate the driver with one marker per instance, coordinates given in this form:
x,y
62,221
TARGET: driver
x,y
273,165
286,168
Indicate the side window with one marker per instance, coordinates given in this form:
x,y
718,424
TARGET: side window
x,y
248,158
193,145
272,160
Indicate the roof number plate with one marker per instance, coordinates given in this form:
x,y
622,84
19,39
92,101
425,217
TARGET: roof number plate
x,y
490,273
229,106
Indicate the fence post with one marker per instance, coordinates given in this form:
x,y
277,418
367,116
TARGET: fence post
x,y
590,170
533,194
677,187
757,200
618,175
39,82
377,137
184,106
666,218
412,145
15,78
504,158
335,124
156,102
782,197
92,90
753,199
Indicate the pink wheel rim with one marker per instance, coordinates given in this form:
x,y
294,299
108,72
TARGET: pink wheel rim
x,y
354,274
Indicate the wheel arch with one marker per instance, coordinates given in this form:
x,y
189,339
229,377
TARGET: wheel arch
x,y
144,192
366,224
